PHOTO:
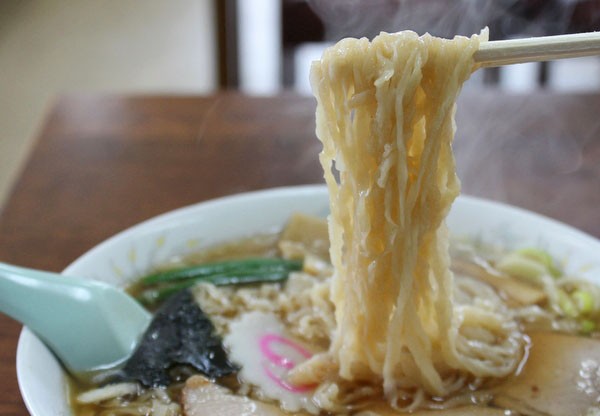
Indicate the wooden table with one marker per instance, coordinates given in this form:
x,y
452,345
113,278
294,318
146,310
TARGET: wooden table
x,y
104,163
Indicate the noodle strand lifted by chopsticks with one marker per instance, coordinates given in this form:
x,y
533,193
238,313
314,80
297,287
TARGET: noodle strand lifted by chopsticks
x,y
385,116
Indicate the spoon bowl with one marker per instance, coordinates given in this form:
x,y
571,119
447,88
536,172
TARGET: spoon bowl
x,y
89,325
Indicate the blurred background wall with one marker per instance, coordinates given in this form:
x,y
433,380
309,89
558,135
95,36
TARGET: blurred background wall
x,y
52,47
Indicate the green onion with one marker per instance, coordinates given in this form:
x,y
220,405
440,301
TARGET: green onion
x,y
587,326
529,264
566,304
521,267
542,257
584,301
225,268
159,286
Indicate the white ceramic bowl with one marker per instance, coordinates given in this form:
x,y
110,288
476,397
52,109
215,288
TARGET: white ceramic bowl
x,y
136,250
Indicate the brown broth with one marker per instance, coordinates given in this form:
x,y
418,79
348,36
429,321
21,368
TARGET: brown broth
x,y
488,399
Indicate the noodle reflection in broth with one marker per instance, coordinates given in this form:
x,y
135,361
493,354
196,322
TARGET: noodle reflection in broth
x,y
387,325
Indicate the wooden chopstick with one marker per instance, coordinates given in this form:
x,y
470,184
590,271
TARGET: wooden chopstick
x,y
545,48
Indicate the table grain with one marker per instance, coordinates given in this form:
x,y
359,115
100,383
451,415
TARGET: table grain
x,y
102,163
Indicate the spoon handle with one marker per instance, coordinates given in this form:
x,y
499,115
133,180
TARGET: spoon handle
x,y
37,298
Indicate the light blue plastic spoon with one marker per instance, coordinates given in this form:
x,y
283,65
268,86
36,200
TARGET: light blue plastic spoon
x,y
89,325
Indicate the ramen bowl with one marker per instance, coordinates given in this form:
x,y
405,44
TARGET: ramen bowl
x,y
133,252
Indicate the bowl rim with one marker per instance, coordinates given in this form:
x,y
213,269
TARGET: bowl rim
x,y
319,191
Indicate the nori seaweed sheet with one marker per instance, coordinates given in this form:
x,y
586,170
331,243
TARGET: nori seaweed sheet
x,y
179,334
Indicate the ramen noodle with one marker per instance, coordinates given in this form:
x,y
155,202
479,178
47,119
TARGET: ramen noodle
x,y
385,116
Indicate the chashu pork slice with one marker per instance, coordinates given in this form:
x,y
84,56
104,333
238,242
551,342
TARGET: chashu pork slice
x,y
560,378
384,410
201,397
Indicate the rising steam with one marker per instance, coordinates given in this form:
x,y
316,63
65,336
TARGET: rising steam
x,y
444,18
500,149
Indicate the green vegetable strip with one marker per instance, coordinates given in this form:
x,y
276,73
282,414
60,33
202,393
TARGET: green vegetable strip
x,y
155,295
246,266
159,286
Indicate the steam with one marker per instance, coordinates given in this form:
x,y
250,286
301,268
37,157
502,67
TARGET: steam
x,y
505,152
529,147
506,18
